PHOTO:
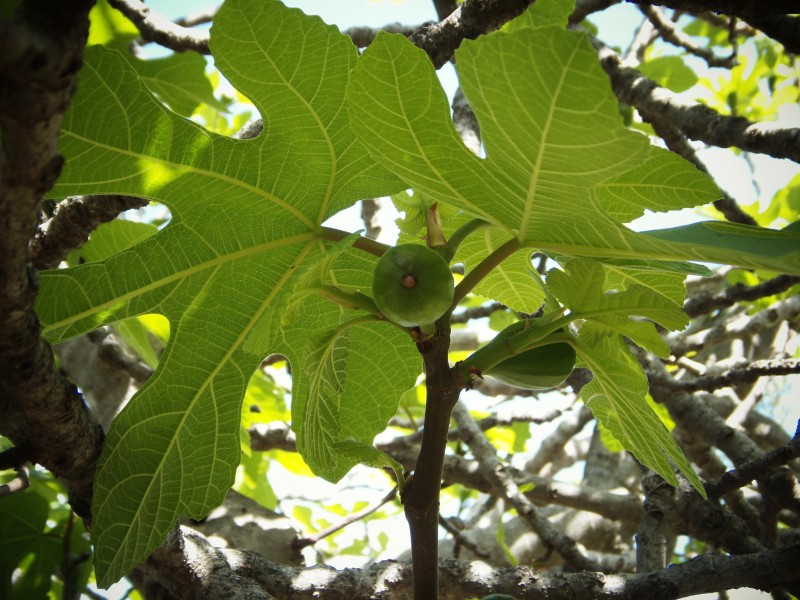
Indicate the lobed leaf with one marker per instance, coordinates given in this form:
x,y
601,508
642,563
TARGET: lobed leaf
x,y
246,218
616,396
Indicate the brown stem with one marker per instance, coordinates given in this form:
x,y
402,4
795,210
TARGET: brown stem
x,y
421,497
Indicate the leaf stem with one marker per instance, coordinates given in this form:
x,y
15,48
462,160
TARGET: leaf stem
x,y
353,300
461,234
482,269
367,245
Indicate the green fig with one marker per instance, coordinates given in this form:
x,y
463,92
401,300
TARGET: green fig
x,y
412,285
539,368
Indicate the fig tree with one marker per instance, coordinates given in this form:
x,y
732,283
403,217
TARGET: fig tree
x,y
412,285
538,368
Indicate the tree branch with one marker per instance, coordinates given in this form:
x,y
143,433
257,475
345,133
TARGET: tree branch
x,y
697,121
705,302
40,55
728,7
746,374
246,574
471,19
670,33
72,222
155,27
748,472
500,480
781,28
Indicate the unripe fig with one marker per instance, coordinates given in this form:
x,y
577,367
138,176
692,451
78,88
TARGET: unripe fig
x,y
412,285
539,368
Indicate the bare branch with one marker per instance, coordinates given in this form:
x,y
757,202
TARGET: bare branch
x,y
705,302
781,28
19,483
155,27
471,19
741,328
72,222
697,121
745,374
728,7
494,471
364,36
583,8
672,34
771,569
754,469
351,518
677,142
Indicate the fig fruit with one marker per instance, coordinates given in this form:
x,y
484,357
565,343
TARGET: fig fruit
x,y
412,285
539,368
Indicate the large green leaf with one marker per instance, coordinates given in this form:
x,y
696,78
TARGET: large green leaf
x,y
561,173
616,396
245,228
580,287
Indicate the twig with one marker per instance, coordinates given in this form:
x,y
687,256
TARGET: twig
x,y
787,309
154,27
705,302
20,482
677,143
477,312
486,456
697,121
450,527
670,33
300,543
755,469
554,443
645,35
747,374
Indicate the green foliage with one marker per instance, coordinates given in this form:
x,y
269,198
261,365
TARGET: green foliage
x,y
245,269
224,271
179,80
670,72
39,535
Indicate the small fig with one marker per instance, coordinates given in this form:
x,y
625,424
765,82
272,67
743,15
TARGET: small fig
x,y
412,285
539,368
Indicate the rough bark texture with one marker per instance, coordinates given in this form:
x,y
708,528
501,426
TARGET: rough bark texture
x,y
40,55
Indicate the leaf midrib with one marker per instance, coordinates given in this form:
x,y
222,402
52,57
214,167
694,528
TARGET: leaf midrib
x,y
257,315
217,261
